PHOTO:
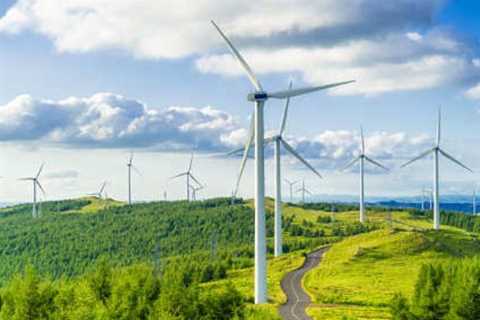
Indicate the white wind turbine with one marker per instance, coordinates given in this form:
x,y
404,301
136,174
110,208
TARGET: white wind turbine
x,y
189,175
290,186
130,166
304,190
258,97
100,192
436,151
195,190
36,183
279,141
362,157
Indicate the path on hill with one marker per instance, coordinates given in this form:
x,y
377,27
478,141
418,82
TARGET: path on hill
x,y
297,299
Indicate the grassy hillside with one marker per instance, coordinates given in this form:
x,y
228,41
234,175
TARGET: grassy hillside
x,y
359,275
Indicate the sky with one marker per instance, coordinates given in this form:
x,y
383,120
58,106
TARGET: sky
x,y
83,83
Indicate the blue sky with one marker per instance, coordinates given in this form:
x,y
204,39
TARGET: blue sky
x,y
407,57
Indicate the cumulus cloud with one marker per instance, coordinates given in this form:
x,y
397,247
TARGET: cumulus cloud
x,y
334,149
110,120
107,120
473,92
374,42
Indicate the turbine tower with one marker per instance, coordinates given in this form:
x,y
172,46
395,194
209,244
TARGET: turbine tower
x,y
36,183
279,141
130,166
259,97
437,151
194,191
189,175
304,190
290,185
100,192
362,158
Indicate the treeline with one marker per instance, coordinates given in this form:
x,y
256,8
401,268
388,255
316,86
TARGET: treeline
x,y
449,291
68,244
136,292
461,220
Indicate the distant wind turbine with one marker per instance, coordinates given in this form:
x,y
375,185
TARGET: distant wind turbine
x,y
130,166
100,192
279,141
436,151
290,185
189,175
258,97
304,190
362,158
195,190
36,183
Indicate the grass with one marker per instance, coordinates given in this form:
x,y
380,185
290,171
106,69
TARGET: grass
x,y
359,275
97,204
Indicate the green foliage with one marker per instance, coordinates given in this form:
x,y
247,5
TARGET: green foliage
x,y
68,244
448,291
120,293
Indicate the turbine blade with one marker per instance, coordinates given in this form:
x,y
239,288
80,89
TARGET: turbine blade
x,y
307,191
376,163
245,155
238,56
103,187
178,175
195,179
40,186
137,171
293,152
285,112
191,163
26,179
455,160
351,163
426,153
39,171
296,92
235,151
439,127
130,159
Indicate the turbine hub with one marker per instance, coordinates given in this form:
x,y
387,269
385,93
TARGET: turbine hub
x,y
257,96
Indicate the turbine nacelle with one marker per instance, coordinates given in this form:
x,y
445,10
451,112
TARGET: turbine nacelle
x,y
257,96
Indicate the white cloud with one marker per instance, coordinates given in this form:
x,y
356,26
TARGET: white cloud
x,y
414,36
107,120
172,29
110,120
473,92
62,174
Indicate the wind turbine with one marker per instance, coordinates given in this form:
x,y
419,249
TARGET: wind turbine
x,y
259,97
436,151
189,175
36,183
194,191
290,185
99,193
130,166
279,141
304,190
362,158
